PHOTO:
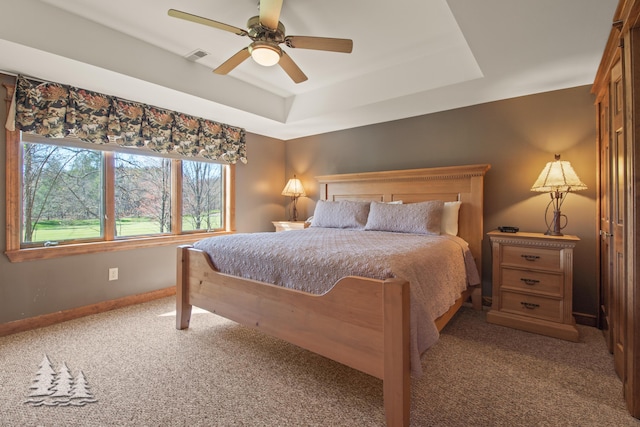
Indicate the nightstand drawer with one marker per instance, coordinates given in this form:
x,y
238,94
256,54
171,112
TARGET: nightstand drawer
x,y
532,305
532,281
539,258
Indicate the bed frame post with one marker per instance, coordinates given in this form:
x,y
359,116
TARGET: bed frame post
x,y
397,360
183,308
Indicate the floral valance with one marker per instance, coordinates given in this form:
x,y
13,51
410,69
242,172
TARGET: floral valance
x,y
55,110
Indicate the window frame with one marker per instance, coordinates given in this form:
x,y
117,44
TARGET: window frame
x,y
109,243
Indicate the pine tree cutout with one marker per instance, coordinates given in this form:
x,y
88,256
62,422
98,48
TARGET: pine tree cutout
x,y
62,386
58,389
80,394
42,383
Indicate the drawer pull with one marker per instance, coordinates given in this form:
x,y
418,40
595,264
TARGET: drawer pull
x,y
529,305
530,282
530,257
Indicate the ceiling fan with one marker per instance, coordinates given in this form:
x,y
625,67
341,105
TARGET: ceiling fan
x,y
267,33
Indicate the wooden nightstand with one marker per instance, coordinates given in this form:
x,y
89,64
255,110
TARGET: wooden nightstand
x,y
533,283
289,225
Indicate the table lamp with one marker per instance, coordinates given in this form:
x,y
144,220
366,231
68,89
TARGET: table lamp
x,y
294,189
558,179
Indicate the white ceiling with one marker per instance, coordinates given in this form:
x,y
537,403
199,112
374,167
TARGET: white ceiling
x,y
410,57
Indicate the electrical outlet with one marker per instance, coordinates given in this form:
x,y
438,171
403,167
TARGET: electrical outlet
x,y
113,274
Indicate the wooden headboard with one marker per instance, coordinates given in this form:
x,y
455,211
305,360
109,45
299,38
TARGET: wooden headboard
x,y
451,183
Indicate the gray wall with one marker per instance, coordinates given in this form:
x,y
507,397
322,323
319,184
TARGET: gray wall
x,y
33,288
517,137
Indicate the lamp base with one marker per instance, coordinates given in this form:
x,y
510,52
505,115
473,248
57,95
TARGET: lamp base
x,y
294,214
556,225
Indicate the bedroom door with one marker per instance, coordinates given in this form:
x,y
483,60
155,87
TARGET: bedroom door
x,y
612,204
617,86
612,198
617,209
604,160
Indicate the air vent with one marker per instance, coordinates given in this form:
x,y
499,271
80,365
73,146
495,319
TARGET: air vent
x,y
196,54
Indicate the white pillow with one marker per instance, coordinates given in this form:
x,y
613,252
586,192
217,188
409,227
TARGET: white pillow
x,y
418,218
449,223
340,214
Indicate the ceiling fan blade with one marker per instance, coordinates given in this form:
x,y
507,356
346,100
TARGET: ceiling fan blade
x,y
233,62
291,68
270,13
320,43
206,21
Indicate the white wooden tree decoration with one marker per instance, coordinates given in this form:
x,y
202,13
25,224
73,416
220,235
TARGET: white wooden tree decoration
x,y
80,394
53,388
62,386
41,387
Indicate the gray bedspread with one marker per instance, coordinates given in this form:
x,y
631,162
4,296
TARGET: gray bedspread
x,y
438,268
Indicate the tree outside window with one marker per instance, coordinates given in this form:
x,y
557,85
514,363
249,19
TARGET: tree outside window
x,y
202,196
61,193
64,195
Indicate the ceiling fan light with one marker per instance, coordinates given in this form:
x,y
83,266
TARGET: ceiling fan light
x,y
265,54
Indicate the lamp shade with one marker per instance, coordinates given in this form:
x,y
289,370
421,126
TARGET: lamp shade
x,y
558,176
294,188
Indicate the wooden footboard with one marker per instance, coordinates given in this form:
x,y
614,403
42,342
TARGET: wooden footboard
x,y
362,323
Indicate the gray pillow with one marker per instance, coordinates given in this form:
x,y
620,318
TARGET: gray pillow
x,y
418,218
340,214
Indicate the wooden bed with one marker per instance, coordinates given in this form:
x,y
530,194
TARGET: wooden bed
x,y
362,323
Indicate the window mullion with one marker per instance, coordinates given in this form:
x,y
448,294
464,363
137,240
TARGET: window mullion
x,y
109,196
230,198
176,197
13,186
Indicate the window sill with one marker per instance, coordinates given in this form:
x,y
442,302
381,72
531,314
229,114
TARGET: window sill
x,y
32,254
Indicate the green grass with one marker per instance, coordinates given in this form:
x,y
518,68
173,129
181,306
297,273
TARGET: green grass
x,y
187,223
58,230
55,230
136,227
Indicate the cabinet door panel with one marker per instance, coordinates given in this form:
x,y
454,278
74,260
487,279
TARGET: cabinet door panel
x,y
605,207
618,211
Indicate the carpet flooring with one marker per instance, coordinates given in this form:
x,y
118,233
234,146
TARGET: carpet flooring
x,y
141,371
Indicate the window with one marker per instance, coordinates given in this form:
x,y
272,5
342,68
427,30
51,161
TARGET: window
x,y
61,194
202,196
142,195
66,199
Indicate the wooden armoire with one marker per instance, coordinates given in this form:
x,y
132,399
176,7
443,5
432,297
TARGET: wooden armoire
x,y
617,91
